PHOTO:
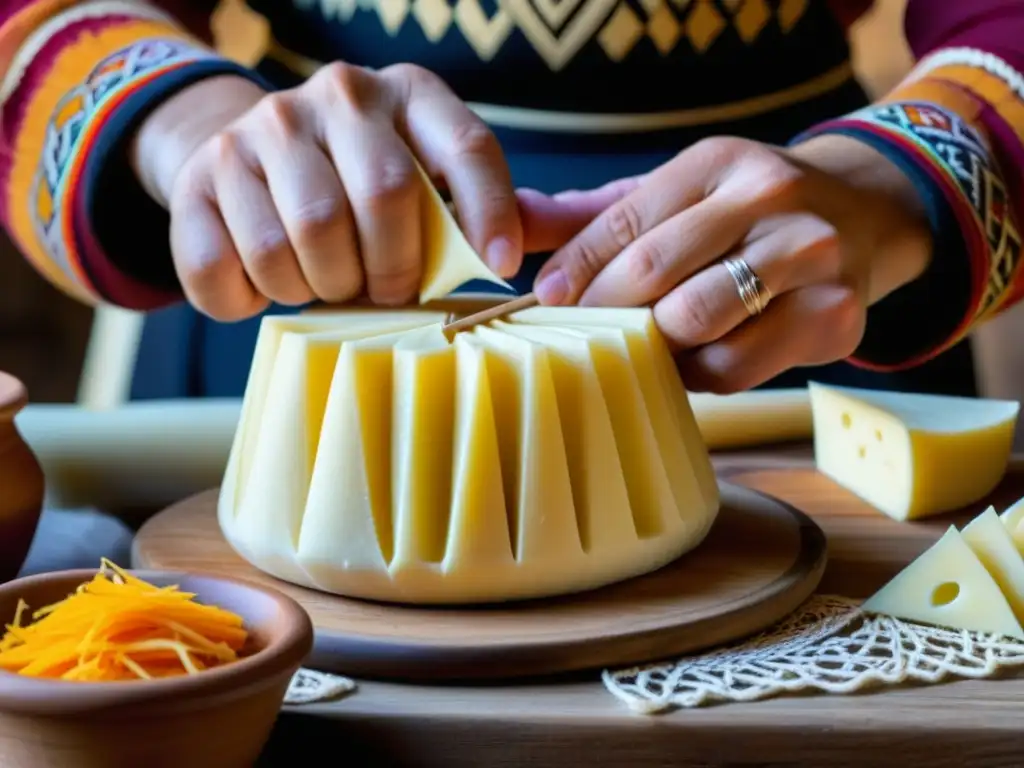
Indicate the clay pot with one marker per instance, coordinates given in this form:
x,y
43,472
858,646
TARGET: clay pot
x,y
21,482
220,718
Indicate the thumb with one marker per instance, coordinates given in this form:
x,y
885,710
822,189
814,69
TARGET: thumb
x,y
550,221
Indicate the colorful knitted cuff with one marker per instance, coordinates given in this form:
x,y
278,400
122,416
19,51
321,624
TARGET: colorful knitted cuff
x,y
77,86
951,166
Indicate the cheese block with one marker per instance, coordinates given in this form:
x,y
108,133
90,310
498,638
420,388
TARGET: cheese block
x,y
756,417
911,455
550,452
948,586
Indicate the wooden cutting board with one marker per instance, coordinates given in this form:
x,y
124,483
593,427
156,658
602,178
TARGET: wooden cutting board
x,y
760,561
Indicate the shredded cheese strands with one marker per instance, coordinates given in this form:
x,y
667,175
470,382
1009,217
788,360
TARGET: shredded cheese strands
x,y
118,627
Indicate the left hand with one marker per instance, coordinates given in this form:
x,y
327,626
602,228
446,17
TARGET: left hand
x,y
829,227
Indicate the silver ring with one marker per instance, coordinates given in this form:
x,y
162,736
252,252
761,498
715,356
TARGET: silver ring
x,y
753,293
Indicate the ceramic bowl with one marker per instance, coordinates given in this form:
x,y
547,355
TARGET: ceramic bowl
x,y
220,718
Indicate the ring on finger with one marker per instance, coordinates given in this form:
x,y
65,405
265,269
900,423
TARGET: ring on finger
x,y
754,294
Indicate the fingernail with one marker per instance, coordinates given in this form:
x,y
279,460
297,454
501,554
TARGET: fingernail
x,y
502,257
552,288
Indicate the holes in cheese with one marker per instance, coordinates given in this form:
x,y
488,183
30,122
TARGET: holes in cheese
x,y
550,452
911,455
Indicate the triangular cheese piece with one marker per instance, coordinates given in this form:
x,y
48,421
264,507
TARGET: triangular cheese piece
x,y
479,532
989,540
911,455
449,261
423,408
949,587
1012,520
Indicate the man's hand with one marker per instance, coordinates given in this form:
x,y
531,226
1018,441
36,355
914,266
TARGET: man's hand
x,y
313,193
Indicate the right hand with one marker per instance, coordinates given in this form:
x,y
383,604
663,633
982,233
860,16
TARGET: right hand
x,y
312,193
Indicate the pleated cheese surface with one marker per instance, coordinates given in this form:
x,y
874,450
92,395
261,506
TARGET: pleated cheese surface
x,y
547,453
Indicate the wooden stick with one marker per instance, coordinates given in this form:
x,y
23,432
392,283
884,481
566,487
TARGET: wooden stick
x,y
487,315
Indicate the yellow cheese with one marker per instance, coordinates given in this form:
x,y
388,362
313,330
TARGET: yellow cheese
x,y
757,417
911,455
1012,519
376,459
948,586
990,541
448,260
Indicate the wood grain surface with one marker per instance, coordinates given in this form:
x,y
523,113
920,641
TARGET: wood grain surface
x,y
576,722
760,561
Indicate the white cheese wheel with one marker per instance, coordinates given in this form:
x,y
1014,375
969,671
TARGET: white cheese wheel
x,y
551,452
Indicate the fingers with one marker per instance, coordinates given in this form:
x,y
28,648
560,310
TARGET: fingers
x,y
208,266
550,221
251,217
809,326
717,190
790,252
454,143
649,266
310,201
381,180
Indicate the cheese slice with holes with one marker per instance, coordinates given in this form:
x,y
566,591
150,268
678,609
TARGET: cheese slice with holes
x,y
911,455
948,586
550,452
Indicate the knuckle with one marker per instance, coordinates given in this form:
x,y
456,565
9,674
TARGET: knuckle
x,y
277,112
394,184
344,83
720,148
395,285
623,223
409,74
472,139
225,148
582,262
314,219
845,319
692,314
646,264
267,254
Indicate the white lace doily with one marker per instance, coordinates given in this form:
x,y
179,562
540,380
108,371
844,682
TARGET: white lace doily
x,y
827,645
309,686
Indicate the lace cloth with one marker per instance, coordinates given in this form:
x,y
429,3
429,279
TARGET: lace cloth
x,y
828,645
309,686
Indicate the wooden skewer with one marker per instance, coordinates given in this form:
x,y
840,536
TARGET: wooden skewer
x,y
493,313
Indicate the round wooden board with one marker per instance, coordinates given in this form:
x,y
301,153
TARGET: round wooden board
x,y
760,561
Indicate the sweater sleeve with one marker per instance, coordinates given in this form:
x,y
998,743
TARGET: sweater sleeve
x,y
78,77
955,126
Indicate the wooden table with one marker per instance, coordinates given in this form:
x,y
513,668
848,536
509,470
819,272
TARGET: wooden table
x,y
576,722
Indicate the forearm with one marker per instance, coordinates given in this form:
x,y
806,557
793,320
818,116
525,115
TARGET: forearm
x,y
954,130
79,78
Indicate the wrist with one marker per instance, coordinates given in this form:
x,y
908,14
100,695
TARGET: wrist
x,y
901,249
173,131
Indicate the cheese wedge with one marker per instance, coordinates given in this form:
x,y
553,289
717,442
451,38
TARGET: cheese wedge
x,y
548,453
990,541
1013,520
911,455
948,586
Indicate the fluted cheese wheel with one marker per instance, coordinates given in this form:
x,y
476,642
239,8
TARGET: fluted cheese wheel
x,y
547,453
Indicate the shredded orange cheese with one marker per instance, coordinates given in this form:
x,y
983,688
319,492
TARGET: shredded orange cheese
x,y
118,627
